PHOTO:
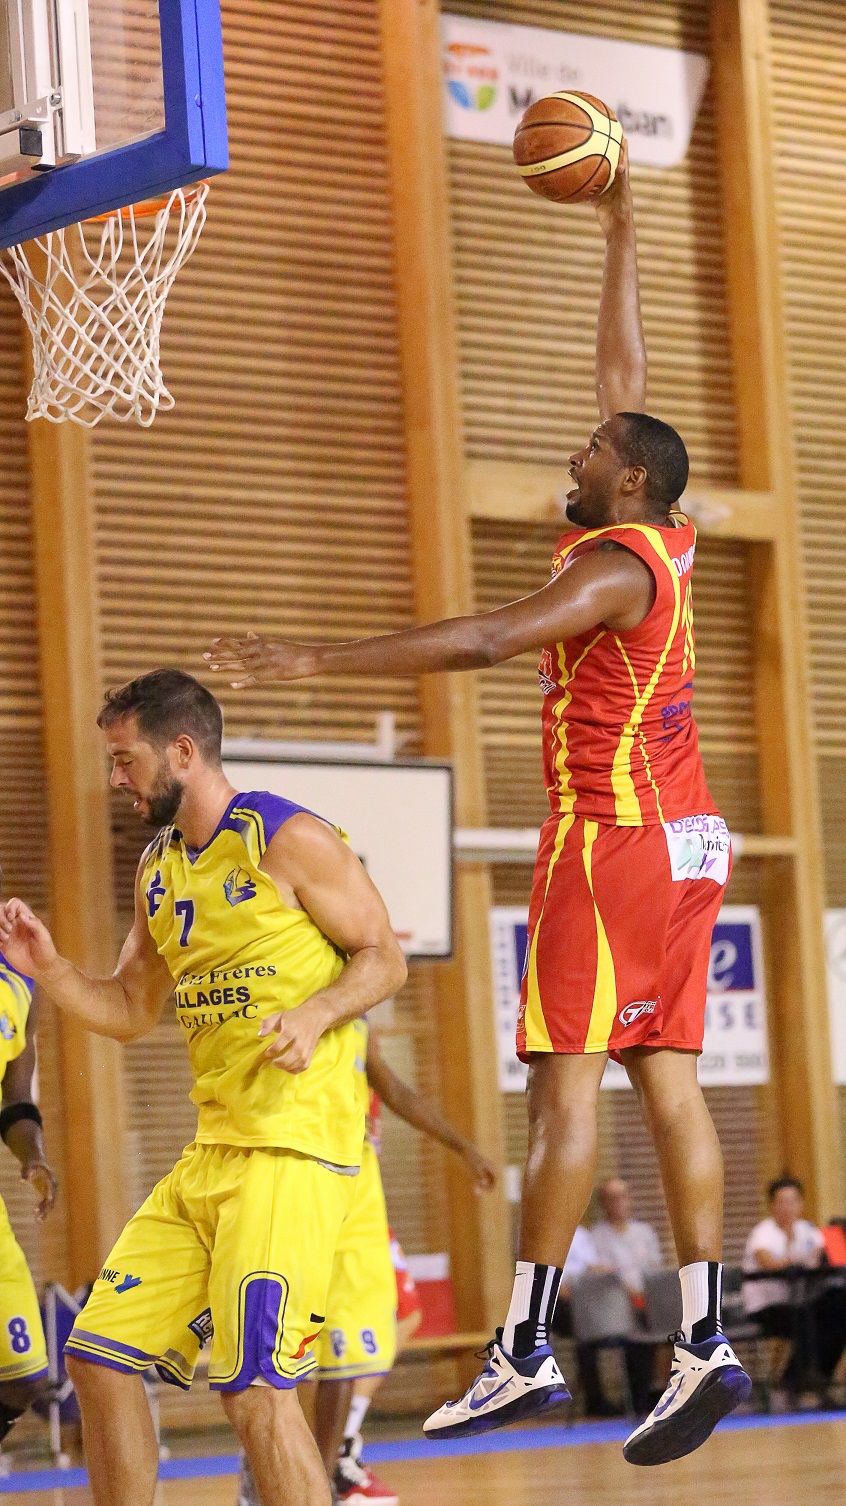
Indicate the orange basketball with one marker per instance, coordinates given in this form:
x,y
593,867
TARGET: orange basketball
x,y
567,146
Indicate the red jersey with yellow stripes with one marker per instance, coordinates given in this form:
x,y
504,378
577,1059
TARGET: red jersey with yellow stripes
x,y
620,744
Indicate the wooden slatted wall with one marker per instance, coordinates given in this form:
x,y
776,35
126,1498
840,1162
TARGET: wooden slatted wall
x,y
809,66
528,276
23,813
273,496
808,50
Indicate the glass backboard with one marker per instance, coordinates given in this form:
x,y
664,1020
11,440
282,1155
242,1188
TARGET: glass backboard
x,y
104,103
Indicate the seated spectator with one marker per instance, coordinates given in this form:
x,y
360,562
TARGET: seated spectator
x,y
623,1243
630,1248
581,1260
814,1322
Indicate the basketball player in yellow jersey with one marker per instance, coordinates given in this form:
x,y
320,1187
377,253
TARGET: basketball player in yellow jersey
x,y
23,1352
276,941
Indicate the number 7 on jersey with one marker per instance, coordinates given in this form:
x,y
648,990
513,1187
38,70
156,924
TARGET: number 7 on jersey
x,y
185,908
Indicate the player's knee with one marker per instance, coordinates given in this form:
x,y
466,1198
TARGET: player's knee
x,y
87,1376
258,1407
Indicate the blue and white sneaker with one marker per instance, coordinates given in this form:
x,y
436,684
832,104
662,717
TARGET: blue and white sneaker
x,y
707,1382
507,1389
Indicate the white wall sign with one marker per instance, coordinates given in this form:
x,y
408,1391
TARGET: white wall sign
x,y
735,1046
835,939
493,71
398,817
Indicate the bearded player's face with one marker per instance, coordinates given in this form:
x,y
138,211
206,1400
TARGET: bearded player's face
x,y
144,773
596,470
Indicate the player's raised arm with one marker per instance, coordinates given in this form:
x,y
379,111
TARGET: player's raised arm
x,y
124,1006
609,585
425,1116
620,347
308,860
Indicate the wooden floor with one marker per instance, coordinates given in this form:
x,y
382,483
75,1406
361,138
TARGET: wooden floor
x,y
776,1466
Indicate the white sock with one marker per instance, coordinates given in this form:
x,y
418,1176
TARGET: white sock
x,y
357,1414
533,1299
702,1287
521,1300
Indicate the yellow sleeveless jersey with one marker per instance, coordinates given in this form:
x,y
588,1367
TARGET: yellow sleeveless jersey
x,y
15,999
238,954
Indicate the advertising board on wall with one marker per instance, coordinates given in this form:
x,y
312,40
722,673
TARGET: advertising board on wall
x,y
493,71
735,1047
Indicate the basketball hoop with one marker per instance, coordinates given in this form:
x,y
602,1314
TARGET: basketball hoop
x,y
93,296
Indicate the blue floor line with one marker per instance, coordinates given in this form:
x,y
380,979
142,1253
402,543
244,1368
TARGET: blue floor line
x,y
522,1440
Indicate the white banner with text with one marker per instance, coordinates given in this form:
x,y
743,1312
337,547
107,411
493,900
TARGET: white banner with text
x,y
493,71
734,1051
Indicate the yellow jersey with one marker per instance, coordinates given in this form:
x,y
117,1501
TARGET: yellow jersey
x,y
15,999
237,954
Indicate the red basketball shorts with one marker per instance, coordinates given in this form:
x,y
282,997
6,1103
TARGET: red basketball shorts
x,y
619,941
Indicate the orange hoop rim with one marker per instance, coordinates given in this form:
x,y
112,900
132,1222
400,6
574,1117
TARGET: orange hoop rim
x,y
146,208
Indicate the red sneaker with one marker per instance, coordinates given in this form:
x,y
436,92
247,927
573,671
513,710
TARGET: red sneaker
x,y
355,1484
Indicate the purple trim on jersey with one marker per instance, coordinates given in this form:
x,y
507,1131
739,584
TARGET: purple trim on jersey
x,y
274,811
30,982
264,1301
111,1362
115,1344
171,1377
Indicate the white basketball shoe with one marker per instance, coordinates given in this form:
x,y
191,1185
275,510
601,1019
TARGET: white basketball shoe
x,y
507,1390
707,1382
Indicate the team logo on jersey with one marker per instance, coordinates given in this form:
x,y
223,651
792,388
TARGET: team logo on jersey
x,y
238,886
546,670
634,1011
155,893
8,1028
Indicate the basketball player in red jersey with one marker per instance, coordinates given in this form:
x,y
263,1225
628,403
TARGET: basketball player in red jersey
x,y
632,864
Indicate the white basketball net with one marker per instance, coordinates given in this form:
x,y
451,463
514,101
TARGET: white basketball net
x,y
93,296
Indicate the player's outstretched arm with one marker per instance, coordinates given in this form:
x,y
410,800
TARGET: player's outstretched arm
x,y
311,866
425,1116
620,346
610,586
24,1137
124,1006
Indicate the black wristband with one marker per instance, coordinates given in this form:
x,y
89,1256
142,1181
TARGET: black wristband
x,y
13,1112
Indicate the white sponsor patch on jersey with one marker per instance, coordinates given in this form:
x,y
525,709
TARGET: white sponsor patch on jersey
x,y
699,847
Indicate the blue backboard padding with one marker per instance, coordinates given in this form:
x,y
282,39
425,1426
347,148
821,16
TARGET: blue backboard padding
x,y
193,144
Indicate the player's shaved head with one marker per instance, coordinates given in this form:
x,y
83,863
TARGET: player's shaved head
x,y
168,704
640,439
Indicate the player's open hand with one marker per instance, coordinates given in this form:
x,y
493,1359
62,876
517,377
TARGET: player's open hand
x,y
24,941
615,203
482,1170
43,1179
252,660
295,1033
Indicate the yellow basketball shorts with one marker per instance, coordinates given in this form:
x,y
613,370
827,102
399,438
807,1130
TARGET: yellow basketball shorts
x,y
23,1352
235,1246
360,1335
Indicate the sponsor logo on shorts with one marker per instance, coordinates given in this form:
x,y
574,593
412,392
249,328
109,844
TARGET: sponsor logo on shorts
x,y
698,847
634,1011
203,1327
120,1283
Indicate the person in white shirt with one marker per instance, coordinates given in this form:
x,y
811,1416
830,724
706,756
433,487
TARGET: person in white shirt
x,y
630,1248
814,1321
625,1244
